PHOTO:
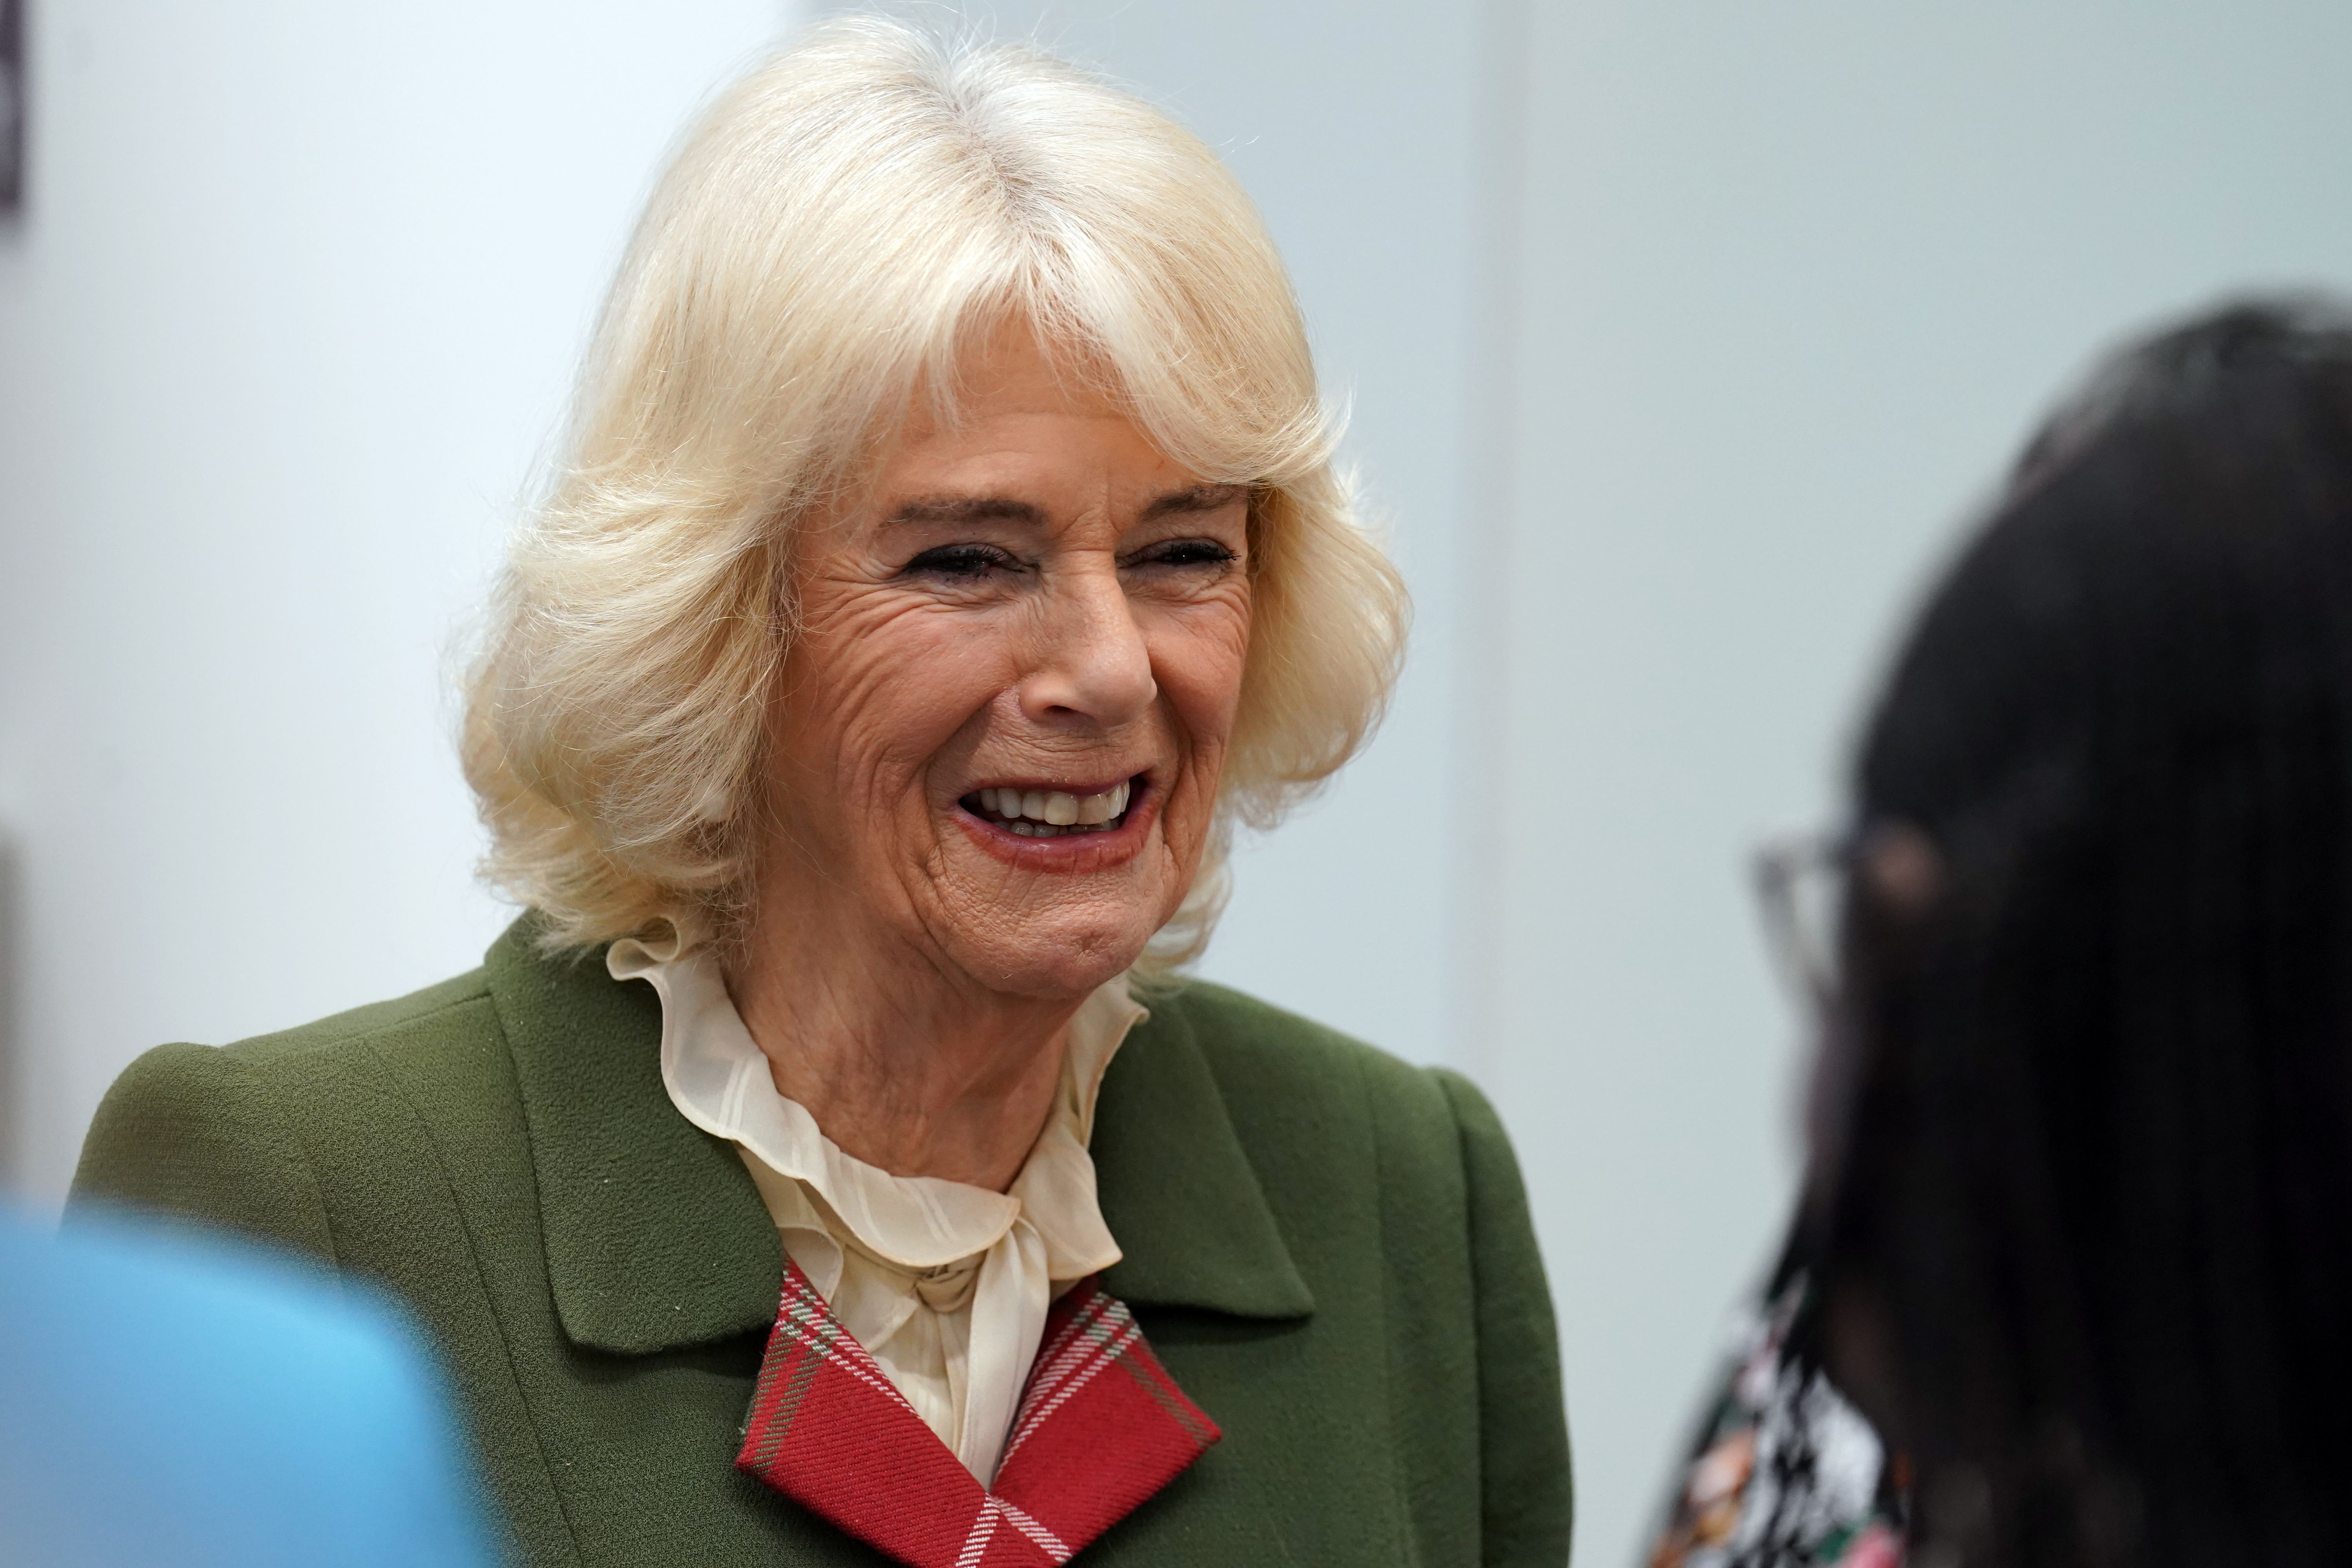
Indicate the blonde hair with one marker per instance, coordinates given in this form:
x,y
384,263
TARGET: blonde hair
x,y
837,230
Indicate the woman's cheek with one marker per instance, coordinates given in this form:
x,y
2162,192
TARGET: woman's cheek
x,y
1202,680
928,662
1217,661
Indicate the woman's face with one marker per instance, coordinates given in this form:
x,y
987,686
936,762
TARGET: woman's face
x,y
1002,721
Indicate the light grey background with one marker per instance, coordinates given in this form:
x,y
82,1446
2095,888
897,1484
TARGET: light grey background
x,y
1679,338
282,334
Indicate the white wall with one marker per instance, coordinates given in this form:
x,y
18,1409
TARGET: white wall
x,y
280,336
293,310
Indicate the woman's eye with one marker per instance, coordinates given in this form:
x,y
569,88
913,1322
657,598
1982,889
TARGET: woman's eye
x,y
1186,553
960,560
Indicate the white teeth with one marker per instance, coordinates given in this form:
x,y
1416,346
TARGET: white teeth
x,y
1048,812
1100,808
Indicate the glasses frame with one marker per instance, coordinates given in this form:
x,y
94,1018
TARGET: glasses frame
x,y
1800,928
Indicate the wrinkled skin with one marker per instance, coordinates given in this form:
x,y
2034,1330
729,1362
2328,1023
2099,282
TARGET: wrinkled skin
x,y
1035,596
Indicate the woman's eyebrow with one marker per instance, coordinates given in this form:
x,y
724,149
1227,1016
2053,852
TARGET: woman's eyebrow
x,y
935,510
964,509
1200,498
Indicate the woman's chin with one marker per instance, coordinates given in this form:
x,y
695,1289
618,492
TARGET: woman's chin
x,y
1051,959
1059,934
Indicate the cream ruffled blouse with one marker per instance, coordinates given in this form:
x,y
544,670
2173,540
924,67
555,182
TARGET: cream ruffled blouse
x,y
946,1285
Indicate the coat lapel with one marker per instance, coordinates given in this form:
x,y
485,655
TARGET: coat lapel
x,y
1178,1190
656,1237
1101,1427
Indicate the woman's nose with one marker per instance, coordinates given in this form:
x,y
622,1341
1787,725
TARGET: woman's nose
x,y
1092,660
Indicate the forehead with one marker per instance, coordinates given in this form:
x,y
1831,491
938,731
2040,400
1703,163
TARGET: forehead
x,y
1009,390
1011,372
1020,416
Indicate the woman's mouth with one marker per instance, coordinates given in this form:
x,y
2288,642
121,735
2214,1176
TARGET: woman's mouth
x,y
1051,813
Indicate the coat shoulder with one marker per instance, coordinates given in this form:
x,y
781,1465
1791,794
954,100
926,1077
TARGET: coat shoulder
x,y
1396,1196
454,1015
1258,1051
233,1135
455,1009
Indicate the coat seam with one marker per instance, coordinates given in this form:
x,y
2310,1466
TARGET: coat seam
x,y
1470,1206
367,1037
295,1156
482,1277
1403,1524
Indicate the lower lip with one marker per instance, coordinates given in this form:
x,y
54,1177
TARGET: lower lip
x,y
1069,852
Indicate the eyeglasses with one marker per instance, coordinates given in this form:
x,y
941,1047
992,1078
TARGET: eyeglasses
x,y
1800,894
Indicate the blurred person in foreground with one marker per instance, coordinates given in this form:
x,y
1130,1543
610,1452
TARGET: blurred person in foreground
x,y
2076,1246
949,557
175,1404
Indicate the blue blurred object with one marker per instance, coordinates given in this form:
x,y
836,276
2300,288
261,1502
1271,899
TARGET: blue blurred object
x,y
165,1401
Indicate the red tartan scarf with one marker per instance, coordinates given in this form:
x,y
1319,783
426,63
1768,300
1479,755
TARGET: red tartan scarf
x,y
1101,1427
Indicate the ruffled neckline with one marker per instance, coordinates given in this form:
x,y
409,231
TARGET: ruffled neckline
x,y
719,1079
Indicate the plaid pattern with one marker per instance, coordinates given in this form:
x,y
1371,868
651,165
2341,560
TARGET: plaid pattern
x,y
1101,1427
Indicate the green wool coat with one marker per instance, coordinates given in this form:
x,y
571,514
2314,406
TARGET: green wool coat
x,y
1328,1248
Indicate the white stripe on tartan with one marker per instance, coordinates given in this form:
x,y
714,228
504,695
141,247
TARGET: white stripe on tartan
x,y
1096,1304
1080,1370
1047,1542
1042,1388
1110,1352
1052,1376
841,1349
1073,1344
983,1526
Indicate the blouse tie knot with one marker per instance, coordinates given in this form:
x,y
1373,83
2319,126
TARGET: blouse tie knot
x,y
949,1287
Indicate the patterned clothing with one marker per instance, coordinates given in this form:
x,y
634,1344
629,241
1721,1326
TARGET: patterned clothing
x,y
1102,1426
1785,1473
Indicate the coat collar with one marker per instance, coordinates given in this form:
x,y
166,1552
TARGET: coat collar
x,y
657,1238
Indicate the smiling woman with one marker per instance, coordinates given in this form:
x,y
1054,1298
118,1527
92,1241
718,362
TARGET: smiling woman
x,y
833,1159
